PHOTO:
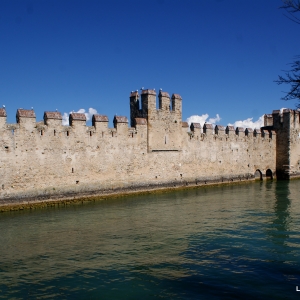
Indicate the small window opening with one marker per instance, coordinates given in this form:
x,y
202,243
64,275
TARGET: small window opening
x,y
132,134
72,170
77,181
102,133
91,133
42,132
112,134
54,132
13,132
165,140
2,186
68,133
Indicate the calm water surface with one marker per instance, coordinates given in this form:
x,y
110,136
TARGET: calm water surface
x,y
234,242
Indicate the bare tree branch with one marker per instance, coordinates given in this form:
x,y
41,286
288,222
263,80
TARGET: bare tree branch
x,y
292,77
291,5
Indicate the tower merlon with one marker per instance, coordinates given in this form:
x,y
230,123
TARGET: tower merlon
x,y
265,133
257,132
3,112
195,130
276,111
100,122
288,117
164,94
140,125
176,96
148,92
177,104
184,124
2,117
287,110
24,113
148,102
249,132
121,123
268,120
277,118
140,121
195,127
135,111
77,119
26,118
134,94
120,119
164,100
229,130
239,131
52,118
208,128
219,129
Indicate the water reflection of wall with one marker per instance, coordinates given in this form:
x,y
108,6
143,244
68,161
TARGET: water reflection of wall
x,y
286,210
139,233
282,207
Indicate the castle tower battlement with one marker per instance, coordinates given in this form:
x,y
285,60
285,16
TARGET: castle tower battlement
x,y
164,122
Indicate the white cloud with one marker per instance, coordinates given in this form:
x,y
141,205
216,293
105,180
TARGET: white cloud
x,y
202,119
89,114
248,123
214,120
65,119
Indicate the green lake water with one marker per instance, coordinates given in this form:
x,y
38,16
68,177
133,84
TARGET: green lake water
x,y
230,242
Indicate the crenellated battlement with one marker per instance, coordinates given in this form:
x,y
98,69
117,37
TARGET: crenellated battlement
x,y
168,106
152,148
161,126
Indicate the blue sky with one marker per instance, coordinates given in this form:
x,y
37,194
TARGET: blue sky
x,y
221,56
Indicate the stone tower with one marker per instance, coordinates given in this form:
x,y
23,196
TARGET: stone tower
x,y
164,124
286,125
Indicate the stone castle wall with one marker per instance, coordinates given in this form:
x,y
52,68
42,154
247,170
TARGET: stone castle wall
x,y
43,160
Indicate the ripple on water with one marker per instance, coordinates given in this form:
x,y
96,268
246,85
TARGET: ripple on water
x,y
230,242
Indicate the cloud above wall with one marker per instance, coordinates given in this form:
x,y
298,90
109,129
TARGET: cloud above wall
x,y
89,114
249,123
202,119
